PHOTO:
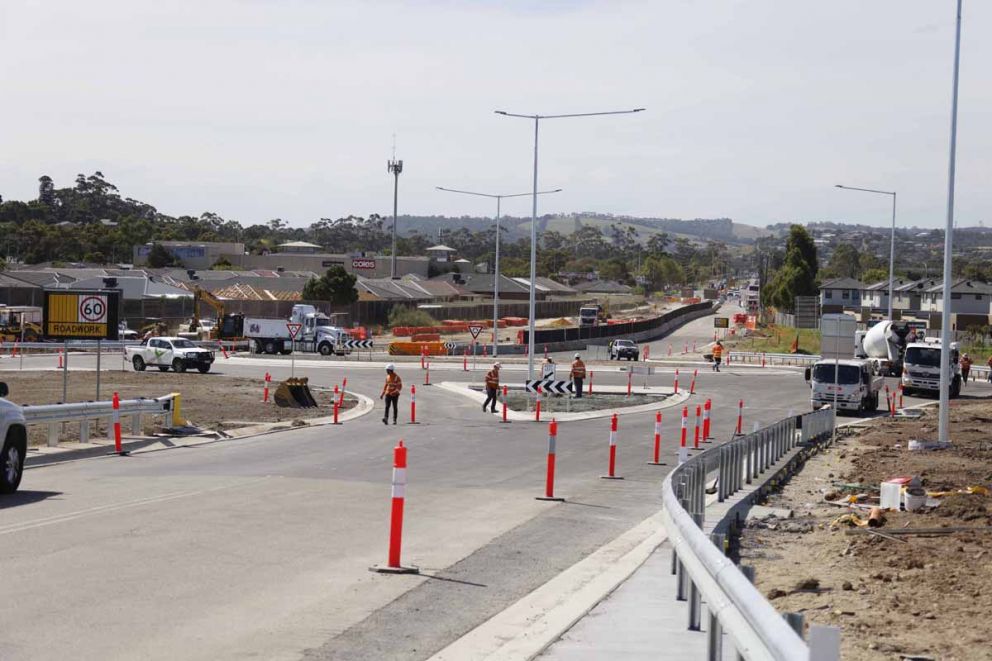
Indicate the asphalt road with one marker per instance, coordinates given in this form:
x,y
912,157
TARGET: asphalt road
x,y
260,547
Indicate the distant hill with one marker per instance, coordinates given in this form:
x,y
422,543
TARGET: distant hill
x,y
698,230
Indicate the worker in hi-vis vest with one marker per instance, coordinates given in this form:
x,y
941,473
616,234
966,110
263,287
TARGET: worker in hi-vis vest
x,y
391,392
492,388
578,375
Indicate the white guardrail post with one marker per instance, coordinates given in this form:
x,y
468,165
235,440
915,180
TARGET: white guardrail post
x,y
54,415
704,573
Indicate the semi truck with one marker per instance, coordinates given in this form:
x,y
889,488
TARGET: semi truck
x,y
272,336
854,382
591,315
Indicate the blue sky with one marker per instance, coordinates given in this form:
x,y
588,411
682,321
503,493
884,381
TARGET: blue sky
x,y
259,109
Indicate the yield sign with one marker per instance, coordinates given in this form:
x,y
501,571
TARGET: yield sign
x,y
475,329
294,329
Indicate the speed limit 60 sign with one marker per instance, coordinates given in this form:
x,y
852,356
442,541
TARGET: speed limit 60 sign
x,y
81,314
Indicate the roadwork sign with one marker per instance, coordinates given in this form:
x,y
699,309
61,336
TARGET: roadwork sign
x,y
721,322
80,314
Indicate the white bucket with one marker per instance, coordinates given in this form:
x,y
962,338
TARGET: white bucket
x,y
914,502
890,495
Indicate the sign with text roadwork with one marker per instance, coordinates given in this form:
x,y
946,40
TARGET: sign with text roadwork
x,y
475,329
721,322
80,314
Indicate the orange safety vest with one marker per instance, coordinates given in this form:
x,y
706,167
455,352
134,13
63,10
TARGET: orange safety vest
x,y
492,379
393,384
717,351
578,369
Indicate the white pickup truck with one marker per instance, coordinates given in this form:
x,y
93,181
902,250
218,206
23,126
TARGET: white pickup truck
x,y
176,352
856,385
13,436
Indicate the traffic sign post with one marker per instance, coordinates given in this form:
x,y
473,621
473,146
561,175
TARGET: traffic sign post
x,y
475,329
294,330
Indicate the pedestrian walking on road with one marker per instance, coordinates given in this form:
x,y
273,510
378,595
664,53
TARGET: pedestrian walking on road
x,y
578,375
965,368
990,369
492,388
717,355
391,392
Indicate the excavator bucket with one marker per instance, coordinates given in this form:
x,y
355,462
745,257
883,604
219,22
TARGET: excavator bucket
x,y
295,394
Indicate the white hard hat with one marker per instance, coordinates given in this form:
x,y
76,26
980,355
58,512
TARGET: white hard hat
x,y
576,356
390,367
497,365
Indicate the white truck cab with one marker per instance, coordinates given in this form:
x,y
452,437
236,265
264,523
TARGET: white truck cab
x,y
14,440
857,386
921,367
318,334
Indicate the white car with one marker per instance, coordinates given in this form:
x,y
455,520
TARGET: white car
x,y
14,436
176,352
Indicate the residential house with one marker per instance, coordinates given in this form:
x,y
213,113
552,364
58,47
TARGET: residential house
x,y
840,294
875,297
603,287
908,297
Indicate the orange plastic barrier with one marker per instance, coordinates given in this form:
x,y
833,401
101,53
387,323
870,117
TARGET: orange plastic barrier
x,y
415,348
515,321
426,337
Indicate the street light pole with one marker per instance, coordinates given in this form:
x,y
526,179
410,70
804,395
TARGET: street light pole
x,y
943,432
395,167
499,199
533,219
892,238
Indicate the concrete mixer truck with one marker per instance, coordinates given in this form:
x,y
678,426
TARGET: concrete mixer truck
x,y
884,344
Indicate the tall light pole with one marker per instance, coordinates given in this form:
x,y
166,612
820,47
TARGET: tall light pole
x,y
943,430
394,167
892,240
499,199
533,218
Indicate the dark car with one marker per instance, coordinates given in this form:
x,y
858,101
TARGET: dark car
x,y
624,349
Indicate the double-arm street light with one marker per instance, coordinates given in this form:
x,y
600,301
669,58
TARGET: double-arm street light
x,y
533,221
499,199
892,240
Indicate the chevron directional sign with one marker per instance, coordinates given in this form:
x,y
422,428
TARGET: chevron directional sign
x,y
550,386
356,344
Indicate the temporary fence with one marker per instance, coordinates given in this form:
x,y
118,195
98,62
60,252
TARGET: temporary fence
x,y
705,574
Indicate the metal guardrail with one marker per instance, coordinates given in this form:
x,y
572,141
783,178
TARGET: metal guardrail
x,y
54,415
705,573
772,358
114,345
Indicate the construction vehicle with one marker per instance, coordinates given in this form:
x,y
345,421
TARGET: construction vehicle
x,y
853,384
20,323
592,315
884,344
921,368
155,328
202,330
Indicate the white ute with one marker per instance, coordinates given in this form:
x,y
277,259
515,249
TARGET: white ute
x,y
176,352
13,434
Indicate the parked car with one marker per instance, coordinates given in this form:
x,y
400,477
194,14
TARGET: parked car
x,y
176,352
15,443
624,349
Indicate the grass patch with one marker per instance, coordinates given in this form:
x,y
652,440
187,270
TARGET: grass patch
x,y
778,339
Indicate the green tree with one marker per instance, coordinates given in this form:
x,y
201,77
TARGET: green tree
x,y
159,257
845,262
797,276
336,286
875,275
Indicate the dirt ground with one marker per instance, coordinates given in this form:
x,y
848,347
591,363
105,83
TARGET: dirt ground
x,y
903,596
209,401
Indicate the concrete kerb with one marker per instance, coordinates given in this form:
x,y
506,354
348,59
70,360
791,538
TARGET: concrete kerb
x,y
466,390
155,444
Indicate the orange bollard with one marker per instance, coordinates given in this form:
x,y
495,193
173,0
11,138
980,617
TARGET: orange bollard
x,y
60,358
336,409
222,349
657,440
505,391
393,565
265,388
612,468
427,374
413,405
549,482
537,406
695,439
590,382
465,361
762,359
706,421
676,380
344,386
740,416
118,448
900,397
630,375
692,384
